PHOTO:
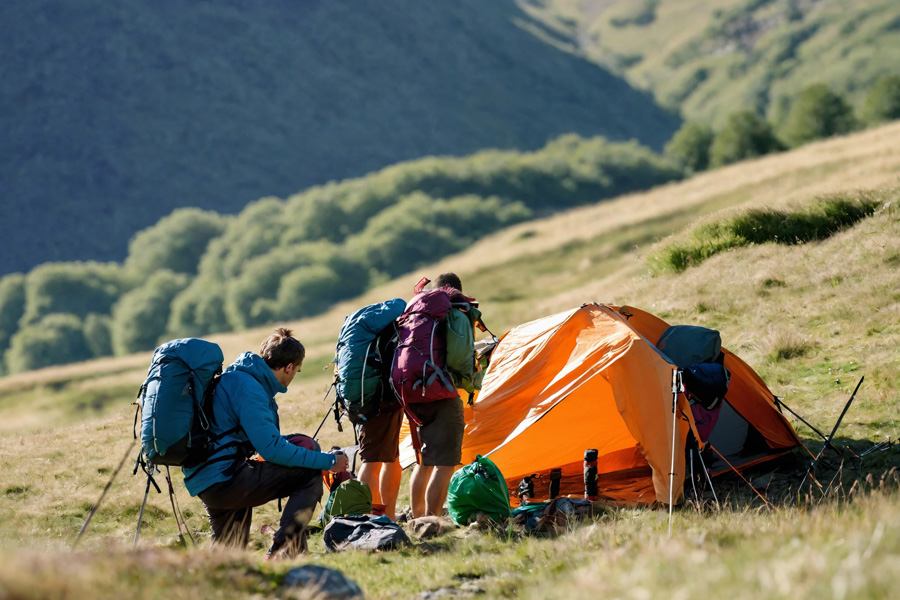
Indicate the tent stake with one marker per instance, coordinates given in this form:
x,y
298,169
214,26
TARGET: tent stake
x,y
814,463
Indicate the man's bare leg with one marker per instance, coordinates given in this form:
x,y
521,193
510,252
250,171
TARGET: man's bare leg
x,y
418,483
370,474
436,493
389,487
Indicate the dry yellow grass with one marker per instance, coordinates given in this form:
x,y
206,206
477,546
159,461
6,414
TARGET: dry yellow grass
x,y
811,319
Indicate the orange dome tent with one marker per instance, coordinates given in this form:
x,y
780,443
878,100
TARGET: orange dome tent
x,y
593,378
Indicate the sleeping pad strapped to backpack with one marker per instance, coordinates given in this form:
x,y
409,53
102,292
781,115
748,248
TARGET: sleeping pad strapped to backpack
x,y
182,376
363,355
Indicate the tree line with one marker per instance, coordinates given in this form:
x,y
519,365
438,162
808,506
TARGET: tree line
x,y
197,272
817,112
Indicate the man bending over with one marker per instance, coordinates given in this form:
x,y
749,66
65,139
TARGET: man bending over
x,y
243,420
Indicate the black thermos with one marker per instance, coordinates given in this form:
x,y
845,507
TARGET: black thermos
x,y
555,476
590,474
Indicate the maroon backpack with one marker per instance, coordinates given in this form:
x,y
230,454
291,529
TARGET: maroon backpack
x,y
419,371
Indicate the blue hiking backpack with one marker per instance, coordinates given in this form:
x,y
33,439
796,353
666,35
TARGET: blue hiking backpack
x,y
363,357
172,401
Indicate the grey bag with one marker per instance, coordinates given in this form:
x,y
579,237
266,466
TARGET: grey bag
x,y
363,532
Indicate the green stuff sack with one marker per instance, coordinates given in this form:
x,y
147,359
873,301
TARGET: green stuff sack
x,y
352,497
478,487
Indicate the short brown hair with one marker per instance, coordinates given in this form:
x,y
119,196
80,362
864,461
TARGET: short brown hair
x,y
448,279
281,349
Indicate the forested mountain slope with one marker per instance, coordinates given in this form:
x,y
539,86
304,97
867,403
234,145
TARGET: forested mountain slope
x,y
708,58
114,114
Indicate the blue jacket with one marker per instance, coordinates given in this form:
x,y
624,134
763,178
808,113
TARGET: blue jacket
x,y
244,418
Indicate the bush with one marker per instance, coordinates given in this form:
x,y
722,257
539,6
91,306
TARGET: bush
x,y
198,310
12,306
883,102
308,291
817,113
175,243
256,231
689,147
139,318
744,136
77,288
54,340
822,219
418,230
253,297
97,334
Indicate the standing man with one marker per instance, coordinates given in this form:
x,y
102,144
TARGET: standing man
x,y
243,420
379,449
440,435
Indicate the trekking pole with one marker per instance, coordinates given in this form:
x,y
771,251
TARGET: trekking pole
x,y
177,510
676,387
149,470
96,505
328,412
815,461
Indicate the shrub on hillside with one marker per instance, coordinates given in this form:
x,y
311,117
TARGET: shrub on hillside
x,y
250,297
97,334
77,288
54,340
689,147
419,230
139,318
817,113
759,226
198,310
12,306
883,102
745,135
256,231
175,243
308,291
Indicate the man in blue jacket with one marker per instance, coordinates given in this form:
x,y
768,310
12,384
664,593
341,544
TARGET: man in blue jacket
x,y
244,420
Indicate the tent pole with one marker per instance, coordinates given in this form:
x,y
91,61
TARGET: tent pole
x,y
676,387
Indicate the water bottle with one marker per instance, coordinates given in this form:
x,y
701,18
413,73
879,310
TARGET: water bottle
x,y
590,474
555,476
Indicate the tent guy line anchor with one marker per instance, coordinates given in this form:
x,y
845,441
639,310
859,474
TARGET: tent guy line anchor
x,y
810,471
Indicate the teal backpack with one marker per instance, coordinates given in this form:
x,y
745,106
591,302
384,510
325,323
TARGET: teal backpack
x,y
478,487
363,356
352,497
180,382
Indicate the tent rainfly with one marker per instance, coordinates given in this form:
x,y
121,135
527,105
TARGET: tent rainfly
x,y
591,378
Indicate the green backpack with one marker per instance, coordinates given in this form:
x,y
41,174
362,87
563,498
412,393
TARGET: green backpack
x,y
461,360
352,497
478,487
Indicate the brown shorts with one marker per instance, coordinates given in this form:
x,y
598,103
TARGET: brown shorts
x,y
379,437
441,433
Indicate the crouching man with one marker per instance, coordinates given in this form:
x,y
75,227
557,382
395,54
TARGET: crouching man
x,y
243,420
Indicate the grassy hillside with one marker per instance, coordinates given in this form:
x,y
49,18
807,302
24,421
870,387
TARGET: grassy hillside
x,y
708,58
115,114
833,301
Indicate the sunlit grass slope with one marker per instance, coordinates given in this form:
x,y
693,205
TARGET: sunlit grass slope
x,y
810,318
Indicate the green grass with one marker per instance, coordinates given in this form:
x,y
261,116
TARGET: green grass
x,y
709,58
810,318
825,217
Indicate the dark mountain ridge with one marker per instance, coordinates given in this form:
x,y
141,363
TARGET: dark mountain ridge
x,y
115,114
